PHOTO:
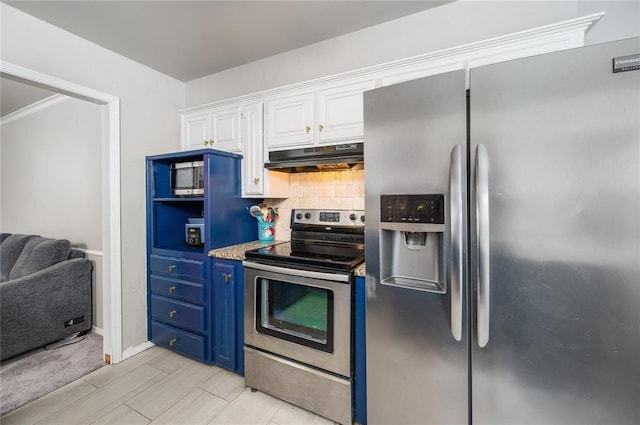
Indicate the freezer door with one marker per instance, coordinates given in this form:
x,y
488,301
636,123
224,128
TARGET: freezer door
x,y
558,138
417,343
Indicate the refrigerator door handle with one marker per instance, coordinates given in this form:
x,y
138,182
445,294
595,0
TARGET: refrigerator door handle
x,y
482,238
456,220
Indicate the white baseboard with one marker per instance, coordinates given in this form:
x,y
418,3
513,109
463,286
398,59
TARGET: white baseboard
x,y
99,331
132,351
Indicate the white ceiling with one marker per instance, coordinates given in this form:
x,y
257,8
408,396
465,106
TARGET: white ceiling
x,y
190,39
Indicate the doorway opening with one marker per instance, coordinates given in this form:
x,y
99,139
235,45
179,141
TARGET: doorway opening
x,y
111,225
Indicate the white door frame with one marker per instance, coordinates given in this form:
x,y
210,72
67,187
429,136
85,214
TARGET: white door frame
x,y
111,239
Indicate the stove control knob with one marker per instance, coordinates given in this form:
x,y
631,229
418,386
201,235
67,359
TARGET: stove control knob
x,y
307,215
362,218
352,217
299,216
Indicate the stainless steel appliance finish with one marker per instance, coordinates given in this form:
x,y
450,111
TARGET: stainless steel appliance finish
x,y
348,156
542,239
187,178
416,369
298,317
339,360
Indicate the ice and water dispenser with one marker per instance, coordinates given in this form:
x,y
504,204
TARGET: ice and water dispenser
x,y
412,231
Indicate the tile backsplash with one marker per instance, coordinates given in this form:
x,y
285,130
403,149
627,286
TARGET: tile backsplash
x,y
327,189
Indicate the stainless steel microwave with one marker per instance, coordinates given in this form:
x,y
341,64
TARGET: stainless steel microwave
x,y
187,178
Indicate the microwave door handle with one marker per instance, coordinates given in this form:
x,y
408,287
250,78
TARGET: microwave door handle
x,y
482,238
456,196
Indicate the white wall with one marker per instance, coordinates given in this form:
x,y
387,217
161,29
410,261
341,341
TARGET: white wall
x,y
621,21
51,179
149,124
443,27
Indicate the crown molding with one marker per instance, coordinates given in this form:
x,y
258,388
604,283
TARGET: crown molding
x,y
33,108
560,35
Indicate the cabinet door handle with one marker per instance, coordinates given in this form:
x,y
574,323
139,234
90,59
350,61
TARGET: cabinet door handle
x,y
308,129
172,342
256,180
172,314
206,143
227,277
320,127
172,289
172,267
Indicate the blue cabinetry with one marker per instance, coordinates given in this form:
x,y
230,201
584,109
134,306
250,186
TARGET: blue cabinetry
x,y
190,310
360,373
228,314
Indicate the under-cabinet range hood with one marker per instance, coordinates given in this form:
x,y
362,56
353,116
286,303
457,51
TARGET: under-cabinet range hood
x,y
348,156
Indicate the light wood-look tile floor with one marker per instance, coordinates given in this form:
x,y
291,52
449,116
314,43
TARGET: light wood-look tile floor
x,y
158,386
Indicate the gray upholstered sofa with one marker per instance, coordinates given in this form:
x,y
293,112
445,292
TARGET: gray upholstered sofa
x,y
45,292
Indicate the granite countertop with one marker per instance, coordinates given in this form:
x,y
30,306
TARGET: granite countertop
x,y
236,252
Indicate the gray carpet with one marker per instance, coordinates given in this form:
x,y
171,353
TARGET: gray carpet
x,y
31,375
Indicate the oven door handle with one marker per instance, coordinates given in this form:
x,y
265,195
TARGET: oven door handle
x,y
297,272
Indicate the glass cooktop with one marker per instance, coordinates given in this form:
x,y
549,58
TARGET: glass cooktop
x,y
309,255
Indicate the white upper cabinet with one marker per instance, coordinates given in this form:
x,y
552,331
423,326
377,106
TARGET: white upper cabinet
x,y
258,182
328,115
226,130
196,131
340,112
289,121
218,129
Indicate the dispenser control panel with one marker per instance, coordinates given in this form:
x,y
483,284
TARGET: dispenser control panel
x,y
412,208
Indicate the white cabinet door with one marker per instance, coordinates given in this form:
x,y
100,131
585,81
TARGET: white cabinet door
x,y
253,162
340,112
196,131
257,182
289,121
226,130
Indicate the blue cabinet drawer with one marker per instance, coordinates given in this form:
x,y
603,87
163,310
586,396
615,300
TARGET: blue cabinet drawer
x,y
178,289
175,339
178,313
174,266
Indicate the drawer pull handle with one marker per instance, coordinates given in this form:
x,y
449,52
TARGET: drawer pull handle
x,y
172,267
172,313
307,129
227,277
172,342
320,127
172,289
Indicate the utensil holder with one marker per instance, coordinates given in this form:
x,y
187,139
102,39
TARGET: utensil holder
x,y
266,231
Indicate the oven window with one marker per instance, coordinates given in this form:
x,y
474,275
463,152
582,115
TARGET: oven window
x,y
296,313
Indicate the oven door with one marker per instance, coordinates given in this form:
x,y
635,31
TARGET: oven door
x,y
298,314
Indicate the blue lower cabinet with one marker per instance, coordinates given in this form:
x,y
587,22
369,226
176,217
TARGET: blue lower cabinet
x,y
184,342
360,384
179,314
178,289
228,315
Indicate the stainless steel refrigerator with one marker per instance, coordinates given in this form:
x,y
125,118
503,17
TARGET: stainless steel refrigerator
x,y
503,243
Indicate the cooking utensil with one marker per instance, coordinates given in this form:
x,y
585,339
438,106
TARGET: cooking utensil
x,y
256,212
